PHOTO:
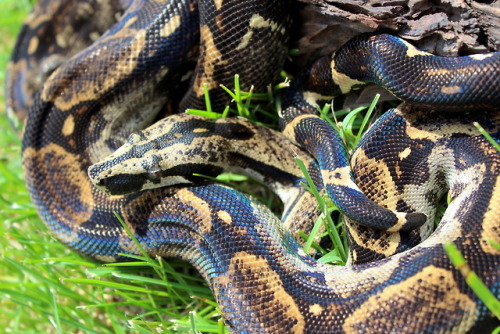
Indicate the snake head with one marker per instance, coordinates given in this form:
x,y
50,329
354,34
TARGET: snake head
x,y
127,170
164,154
135,167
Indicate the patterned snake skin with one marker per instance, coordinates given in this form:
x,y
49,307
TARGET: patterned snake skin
x,y
96,101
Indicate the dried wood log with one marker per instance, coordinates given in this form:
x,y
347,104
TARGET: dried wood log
x,y
442,27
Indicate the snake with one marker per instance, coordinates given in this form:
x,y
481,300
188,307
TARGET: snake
x,y
99,117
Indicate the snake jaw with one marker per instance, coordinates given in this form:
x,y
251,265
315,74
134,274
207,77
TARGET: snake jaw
x,y
122,184
126,183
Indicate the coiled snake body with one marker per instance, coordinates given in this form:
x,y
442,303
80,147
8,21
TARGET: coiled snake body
x,y
261,278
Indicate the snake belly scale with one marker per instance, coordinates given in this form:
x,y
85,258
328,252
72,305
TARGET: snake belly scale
x,y
94,106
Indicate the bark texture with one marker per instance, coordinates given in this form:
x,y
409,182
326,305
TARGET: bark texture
x,y
442,27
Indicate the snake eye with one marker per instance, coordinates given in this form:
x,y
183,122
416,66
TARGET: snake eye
x,y
153,170
49,65
154,174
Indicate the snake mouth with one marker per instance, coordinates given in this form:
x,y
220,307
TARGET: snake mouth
x,y
122,184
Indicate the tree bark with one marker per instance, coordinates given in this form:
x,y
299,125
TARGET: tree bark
x,y
442,27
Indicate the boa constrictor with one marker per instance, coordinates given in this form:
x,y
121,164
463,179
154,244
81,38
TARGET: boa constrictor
x,y
95,91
